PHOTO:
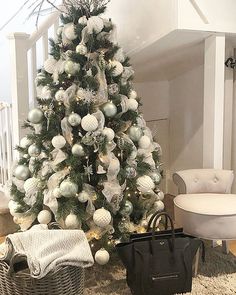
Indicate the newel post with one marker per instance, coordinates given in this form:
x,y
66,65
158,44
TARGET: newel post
x,y
19,83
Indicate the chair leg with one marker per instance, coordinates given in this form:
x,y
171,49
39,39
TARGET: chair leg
x,y
196,263
225,247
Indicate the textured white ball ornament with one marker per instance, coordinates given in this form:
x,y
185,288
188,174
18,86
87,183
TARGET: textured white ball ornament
x,y
102,217
132,104
68,188
95,23
83,197
71,67
25,142
145,184
89,123
109,133
144,142
159,205
78,150
35,116
58,141
72,221
22,172
44,217
74,119
49,65
60,95
33,150
118,68
81,49
30,185
102,257
109,109
83,20
57,192
69,31
133,94
135,133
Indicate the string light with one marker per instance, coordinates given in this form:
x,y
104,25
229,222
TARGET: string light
x,y
129,195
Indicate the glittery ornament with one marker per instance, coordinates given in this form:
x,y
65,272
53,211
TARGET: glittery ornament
x,y
130,172
102,217
83,197
78,150
127,209
81,49
35,116
71,68
30,185
74,119
72,221
109,133
69,31
156,177
60,95
33,150
113,89
68,188
89,123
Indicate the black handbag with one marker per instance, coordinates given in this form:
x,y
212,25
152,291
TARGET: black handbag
x,y
159,263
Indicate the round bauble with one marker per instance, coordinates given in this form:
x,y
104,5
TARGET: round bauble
x,y
132,104
102,217
25,142
113,89
159,205
127,209
49,65
58,141
56,192
118,68
133,94
74,119
71,68
44,217
144,142
83,197
22,172
68,188
69,31
30,185
83,20
46,93
145,184
95,24
81,49
109,133
102,257
60,95
130,172
109,109
161,195
33,150
78,150
72,221
35,116
135,133
89,123
156,177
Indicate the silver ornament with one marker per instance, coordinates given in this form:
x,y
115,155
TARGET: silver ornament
x,y
81,49
68,188
113,89
83,197
127,209
78,150
135,133
60,95
72,221
102,217
109,133
156,177
71,68
130,172
109,109
35,116
33,150
22,172
124,225
74,119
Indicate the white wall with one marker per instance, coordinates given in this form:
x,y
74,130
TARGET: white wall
x,y
186,119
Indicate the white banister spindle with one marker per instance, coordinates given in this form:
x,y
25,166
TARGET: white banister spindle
x,y
45,45
8,141
33,72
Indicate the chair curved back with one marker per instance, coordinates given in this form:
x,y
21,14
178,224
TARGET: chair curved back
x,y
195,181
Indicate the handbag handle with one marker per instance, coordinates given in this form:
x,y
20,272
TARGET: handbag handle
x,y
151,220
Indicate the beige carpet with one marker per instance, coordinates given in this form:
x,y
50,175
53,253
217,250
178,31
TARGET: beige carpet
x,y
216,277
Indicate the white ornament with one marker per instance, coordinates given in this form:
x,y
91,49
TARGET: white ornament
x,y
109,133
25,142
95,24
89,123
102,217
72,221
161,195
102,257
83,20
118,68
46,93
57,192
35,116
30,185
133,94
144,142
60,95
44,217
135,133
69,31
71,68
159,205
132,104
74,119
22,172
109,109
33,150
145,184
78,150
83,197
49,65
81,49
68,188
58,141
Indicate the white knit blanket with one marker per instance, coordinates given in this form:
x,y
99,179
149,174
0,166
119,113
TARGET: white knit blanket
x,y
47,250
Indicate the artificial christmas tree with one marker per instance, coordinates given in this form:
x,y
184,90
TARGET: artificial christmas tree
x,y
89,161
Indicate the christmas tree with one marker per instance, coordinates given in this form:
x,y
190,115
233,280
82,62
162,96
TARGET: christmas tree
x,y
89,161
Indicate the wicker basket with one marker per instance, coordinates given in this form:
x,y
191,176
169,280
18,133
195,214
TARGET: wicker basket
x,y
65,281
